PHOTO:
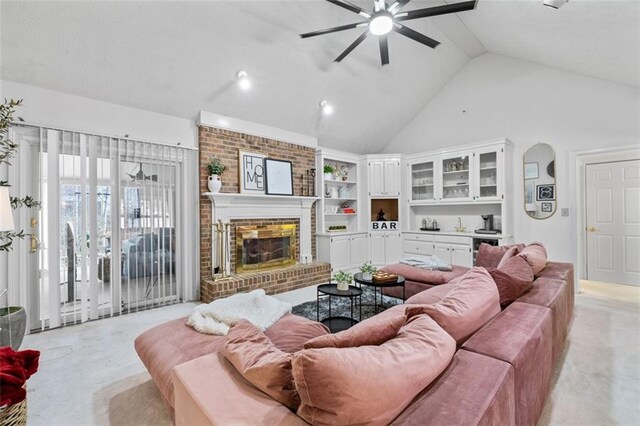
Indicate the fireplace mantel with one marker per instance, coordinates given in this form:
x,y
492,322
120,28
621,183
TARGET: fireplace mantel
x,y
226,207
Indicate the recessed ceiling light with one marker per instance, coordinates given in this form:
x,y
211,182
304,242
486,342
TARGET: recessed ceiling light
x,y
243,80
326,107
381,23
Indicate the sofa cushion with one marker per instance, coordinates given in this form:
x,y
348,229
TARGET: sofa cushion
x,y
412,273
489,256
522,336
431,295
261,363
373,331
536,256
469,305
290,334
473,390
371,384
209,391
555,295
512,278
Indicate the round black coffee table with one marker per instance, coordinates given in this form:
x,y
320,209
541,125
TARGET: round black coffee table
x,y
377,287
338,323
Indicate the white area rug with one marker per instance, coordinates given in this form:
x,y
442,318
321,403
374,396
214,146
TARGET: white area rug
x,y
256,307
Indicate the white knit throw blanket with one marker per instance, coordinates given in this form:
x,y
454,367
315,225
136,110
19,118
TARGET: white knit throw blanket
x,y
256,307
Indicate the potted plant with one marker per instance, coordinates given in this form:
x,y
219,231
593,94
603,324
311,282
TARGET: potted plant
x,y
13,319
343,279
16,367
216,169
367,270
329,170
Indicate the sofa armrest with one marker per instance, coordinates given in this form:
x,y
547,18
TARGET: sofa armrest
x,y
209,391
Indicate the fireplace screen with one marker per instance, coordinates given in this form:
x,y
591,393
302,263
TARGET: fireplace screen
x,y
264,247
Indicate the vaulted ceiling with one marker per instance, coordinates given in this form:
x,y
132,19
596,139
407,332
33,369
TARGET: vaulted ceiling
x,y
181,57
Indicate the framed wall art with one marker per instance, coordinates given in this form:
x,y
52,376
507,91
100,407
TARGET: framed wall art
x,y
251,172
278,177
545,193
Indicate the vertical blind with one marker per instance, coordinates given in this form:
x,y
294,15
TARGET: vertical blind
x,y
111,225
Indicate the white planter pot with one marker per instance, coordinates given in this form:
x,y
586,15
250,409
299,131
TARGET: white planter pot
x,y
214,184
367,277
343,286
328,176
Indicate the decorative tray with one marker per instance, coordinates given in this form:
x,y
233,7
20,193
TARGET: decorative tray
x,y
381,277
430,229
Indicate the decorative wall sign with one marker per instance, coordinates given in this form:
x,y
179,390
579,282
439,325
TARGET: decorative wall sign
x,y
546,207
251,172
278,177
531,170
546,193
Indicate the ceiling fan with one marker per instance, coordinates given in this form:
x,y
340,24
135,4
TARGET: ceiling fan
x,y
141,176
385,19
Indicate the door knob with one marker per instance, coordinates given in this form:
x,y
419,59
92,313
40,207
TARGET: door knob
x,y
592,229
35,243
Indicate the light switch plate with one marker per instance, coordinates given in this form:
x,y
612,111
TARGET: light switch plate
x,y
565,212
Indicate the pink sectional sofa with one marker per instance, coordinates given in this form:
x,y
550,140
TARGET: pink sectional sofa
x,y
500,375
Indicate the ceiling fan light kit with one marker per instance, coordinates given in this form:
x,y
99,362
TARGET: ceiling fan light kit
x,y
385,19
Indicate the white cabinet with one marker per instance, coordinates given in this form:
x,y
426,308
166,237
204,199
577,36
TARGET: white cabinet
x,y
385,247
488,174
343,252
392,178
359,250
461,255
456,177
417,244
452,249
422,181
384,178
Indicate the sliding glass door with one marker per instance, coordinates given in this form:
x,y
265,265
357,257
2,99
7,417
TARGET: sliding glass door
x,y
109,227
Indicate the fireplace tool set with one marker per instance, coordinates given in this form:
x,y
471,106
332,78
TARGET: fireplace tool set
x,y
221,254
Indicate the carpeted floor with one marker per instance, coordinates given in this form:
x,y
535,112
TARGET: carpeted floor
x,y
341,306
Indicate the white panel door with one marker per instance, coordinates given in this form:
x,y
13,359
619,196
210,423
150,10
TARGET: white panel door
x,y
613,222
377,248
340,253
442,252
393,247
392,178
461,255
359,250
376,178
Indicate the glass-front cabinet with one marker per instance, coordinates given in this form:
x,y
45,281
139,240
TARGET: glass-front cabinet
x,y
488,174
456,178
422,179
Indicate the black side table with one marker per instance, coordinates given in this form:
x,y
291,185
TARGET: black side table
x,y
338,323
377,287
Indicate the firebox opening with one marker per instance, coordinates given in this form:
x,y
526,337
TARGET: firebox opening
x,y
265,247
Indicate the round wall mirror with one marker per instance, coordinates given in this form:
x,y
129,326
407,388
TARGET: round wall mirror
x,y
539,181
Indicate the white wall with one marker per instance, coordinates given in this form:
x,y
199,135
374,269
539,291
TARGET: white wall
x,y
495,96
69,112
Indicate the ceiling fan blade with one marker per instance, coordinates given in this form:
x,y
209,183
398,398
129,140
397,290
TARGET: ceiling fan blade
x,y
332,30
396,6
352,7
384,49
437,10
414,35
352,46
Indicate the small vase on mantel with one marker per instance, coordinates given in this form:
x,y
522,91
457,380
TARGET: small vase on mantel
x,y
214,184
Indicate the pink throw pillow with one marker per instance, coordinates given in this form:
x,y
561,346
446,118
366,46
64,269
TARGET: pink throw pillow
x,y
373,331
536,256
512,278
371,384
489,256
511,252
261,363
469,305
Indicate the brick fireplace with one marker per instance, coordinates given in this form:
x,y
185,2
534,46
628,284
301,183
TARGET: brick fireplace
x,y
240,210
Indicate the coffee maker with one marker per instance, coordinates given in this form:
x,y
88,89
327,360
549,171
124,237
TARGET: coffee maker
x,y
488,225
